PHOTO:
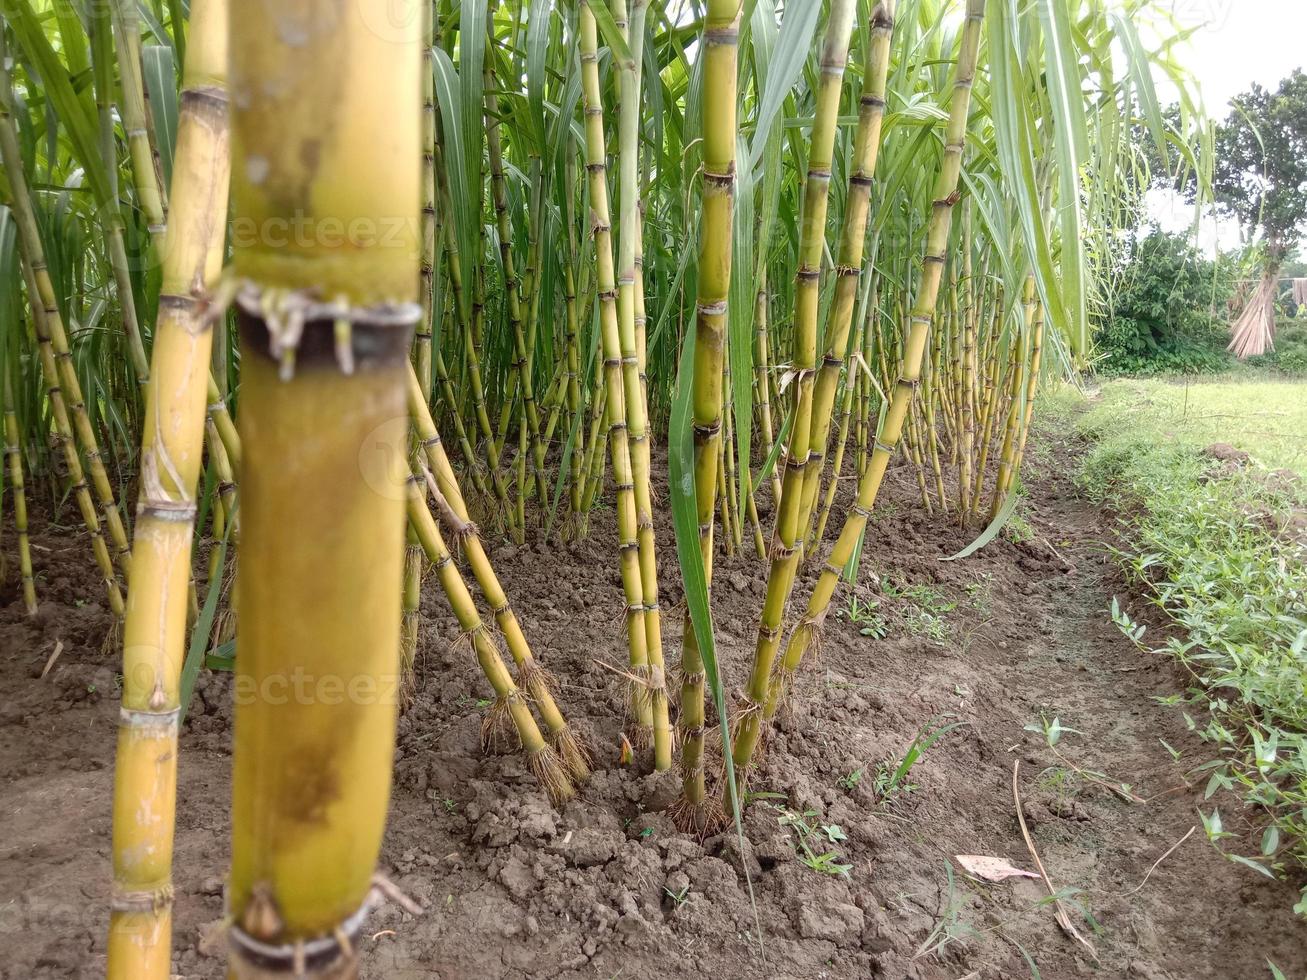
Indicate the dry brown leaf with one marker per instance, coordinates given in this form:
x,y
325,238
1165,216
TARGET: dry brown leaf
x,y
991,868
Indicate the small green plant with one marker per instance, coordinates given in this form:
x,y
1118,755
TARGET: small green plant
x,y
851,781
864,616
679,896
1133,631
981,593
812,841
892,779
1051,730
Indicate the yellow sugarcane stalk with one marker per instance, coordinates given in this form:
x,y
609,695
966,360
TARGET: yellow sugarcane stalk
x,y
619,445
511,705
1018,365
40,296
866,149
791,520
454,515
630,310
696,810
51,337
145,176
894,416
172,449
14,455
1010,467
326,114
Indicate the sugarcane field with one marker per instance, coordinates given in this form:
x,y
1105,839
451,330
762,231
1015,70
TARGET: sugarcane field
x,y
574,489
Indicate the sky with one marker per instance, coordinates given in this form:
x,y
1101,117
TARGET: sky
x,y
1236,43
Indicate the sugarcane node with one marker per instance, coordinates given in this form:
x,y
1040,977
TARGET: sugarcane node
x,y
167,510
729,34
380,336
818,173
805,275
151,900
161,722
250,942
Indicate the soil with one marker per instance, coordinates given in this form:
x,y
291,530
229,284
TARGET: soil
x,y
606,887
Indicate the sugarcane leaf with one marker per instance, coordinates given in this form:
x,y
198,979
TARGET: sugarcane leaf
x,y
612,34
788,56
203,626
994,527
740,311
75,110
1071,144
161,85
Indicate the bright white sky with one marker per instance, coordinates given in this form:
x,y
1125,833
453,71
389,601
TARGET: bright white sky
x,y
1239,42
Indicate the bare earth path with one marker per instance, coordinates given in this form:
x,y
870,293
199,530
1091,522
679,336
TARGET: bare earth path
x,y
607,888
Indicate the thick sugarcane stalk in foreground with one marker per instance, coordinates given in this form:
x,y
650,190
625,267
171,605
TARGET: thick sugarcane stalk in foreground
x,y
630,294
619,445
14,455
866,148
172,449
325,132
791,521
696,810
923,313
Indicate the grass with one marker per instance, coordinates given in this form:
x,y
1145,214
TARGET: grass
x,y
1267,418
1215,547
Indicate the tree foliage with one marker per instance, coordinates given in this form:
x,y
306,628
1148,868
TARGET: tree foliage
x,y
1260,174
1167,312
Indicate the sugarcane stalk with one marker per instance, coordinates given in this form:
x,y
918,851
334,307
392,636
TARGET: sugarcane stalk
x,y
1021,359
511,704
619,445
696,811
791,519
866,148
326,131
895,414
14,456
145,175
172,449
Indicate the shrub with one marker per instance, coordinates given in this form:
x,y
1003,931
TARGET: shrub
x,y
1167,315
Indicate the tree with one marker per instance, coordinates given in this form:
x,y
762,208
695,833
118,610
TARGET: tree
x,y
1260,177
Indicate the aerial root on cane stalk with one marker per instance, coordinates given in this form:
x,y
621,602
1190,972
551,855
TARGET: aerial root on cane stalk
x,y
550,770
639,703
113,637
534,679
702,819
574,753
499,734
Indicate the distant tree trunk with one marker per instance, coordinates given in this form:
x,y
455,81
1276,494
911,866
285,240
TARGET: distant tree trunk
x,y
1253,332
